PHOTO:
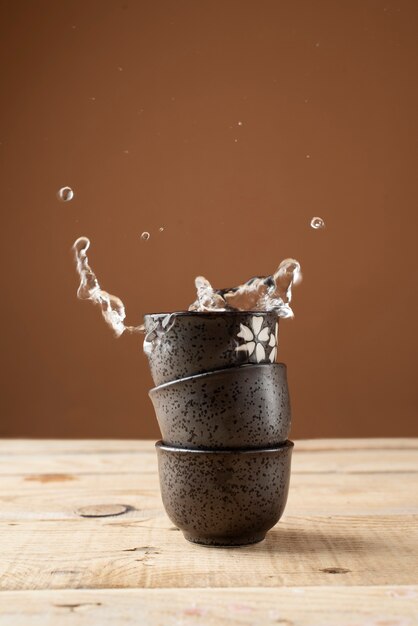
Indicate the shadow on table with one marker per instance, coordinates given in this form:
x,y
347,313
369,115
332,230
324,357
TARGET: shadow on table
x,y
319,541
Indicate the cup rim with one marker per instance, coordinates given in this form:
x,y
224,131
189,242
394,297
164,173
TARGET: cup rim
x,y
286,445
211,313
224,370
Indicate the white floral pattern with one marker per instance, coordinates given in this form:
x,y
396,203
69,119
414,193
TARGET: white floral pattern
x,y
257,338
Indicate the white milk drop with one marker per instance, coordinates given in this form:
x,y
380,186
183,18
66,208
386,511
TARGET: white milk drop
x,y
145,236
65,194
317,223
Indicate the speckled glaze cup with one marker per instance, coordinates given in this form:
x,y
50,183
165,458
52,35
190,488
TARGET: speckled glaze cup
x,y
240,407
224,498
187,343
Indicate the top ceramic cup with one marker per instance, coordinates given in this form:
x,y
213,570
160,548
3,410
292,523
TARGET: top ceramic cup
x,y
188,342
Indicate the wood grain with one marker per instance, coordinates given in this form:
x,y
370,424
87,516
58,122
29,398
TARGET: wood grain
x,y
295,606
79,518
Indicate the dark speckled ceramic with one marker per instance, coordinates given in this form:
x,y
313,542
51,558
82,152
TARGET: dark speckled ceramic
x,y
187,343
240,407
224,498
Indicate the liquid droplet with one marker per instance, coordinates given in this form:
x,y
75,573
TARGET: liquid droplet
x,y
161,229
145,236
65,194
239,123
317,223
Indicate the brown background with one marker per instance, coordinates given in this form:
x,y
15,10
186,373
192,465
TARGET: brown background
x,y
136,106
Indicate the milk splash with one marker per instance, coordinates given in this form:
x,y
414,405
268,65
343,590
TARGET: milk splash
x,y
261,293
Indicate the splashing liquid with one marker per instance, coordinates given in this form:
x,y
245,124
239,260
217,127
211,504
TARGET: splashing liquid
x,y
65,194
261,293
113,309
317,223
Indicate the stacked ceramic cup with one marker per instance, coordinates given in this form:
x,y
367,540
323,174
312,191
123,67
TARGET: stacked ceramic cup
x,y
222,404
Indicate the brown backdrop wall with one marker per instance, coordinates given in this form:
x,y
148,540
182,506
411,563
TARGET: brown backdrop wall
x,y
136,105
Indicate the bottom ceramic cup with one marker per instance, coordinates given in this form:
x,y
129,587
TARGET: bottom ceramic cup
x,y
224,497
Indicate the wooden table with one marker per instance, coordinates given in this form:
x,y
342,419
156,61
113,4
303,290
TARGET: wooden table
x,y
85,541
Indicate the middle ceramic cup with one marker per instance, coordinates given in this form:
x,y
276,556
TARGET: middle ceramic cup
x,y
239,407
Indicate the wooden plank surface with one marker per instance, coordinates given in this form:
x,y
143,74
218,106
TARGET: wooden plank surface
x,y
347,544
295,606
60,446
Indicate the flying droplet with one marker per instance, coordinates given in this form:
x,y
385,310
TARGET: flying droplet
x,y
145,236
317,223
65,194
161,229
239,123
